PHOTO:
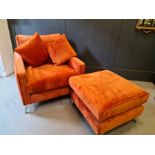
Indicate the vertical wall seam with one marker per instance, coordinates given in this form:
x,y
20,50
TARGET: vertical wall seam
x,y
111,48
118,42
65,27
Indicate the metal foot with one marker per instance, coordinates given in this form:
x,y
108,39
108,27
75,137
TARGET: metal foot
x,y
71,101
26,109
31,108
134,120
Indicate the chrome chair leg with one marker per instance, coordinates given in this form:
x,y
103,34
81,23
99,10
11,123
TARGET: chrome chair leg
x,y
26,109
31,108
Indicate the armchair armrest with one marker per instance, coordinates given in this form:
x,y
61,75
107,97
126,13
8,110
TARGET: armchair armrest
x,y
77,64
21,78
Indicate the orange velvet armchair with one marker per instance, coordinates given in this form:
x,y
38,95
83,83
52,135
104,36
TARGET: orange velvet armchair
x,y
45,82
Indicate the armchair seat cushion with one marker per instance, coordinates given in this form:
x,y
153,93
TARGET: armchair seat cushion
x,y
48,76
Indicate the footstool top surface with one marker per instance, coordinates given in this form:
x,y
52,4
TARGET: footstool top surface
x,y
104,90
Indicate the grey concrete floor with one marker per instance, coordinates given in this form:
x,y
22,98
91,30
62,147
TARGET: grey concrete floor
x,y
59,117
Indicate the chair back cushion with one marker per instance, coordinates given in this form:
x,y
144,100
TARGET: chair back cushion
x,y
20,39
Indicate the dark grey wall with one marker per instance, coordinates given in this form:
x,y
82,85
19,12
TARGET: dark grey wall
x,y
102,44
22,26
135,55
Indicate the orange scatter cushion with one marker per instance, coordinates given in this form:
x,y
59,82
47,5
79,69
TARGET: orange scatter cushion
x,y
107,94
33,51
61,51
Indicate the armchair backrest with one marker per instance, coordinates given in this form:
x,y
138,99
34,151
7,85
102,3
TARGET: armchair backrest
x,y
49,38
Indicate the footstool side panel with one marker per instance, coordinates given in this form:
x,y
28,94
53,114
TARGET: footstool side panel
x,y
123,107
108,124
86,113
118,120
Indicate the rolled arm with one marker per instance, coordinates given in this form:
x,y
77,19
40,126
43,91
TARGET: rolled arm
x,y
21,78
77,64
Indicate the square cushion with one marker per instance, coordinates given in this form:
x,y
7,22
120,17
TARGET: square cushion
x,y
48,77
61,51
33,51
107,94
49,38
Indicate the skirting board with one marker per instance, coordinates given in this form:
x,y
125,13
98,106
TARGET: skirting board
x,y
136,74
129,74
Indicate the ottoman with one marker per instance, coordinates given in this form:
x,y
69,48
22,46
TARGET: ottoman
x,y
106,99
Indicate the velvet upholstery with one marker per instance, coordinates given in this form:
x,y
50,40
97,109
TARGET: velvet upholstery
x,y
108,124
106,99
33,51
61,51
107,94
22,83
21,78
49,38
48,77
77,64
50,94
47,87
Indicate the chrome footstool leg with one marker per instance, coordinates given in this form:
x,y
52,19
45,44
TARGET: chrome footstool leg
x,y
71,101
26,109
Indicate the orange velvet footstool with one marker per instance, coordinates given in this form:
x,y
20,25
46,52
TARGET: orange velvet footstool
x,y
106,99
